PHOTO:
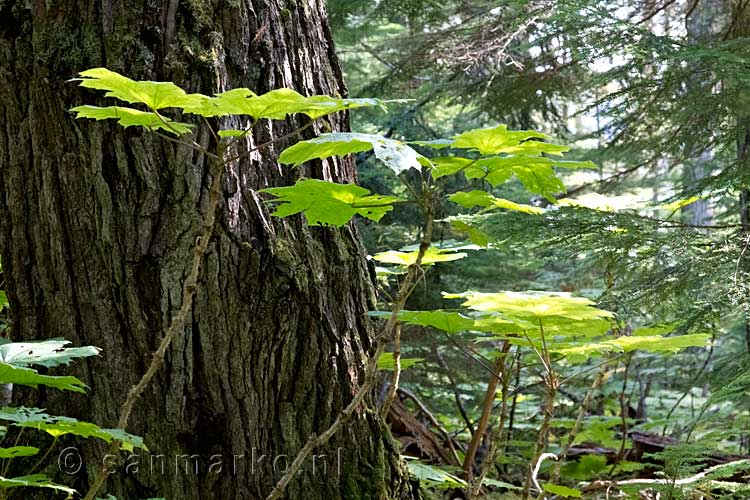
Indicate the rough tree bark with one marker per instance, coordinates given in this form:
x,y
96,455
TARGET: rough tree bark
x,y
96,230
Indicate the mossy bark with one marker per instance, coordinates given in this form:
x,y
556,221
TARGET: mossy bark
x,y
96,230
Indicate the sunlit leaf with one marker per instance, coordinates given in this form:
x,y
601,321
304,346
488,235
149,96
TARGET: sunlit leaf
x,y
49,353
332,203
448,321
431,256
232,133
155,95
448,165
676,205
563,491
500,484
484,199
395,154
657,343
128,117
57,426
34,481
18,451
491,140
434,477
276,104
534,305
10,374
387,363
648,343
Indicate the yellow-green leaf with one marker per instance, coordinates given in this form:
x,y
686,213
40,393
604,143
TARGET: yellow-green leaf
x,y
395,154
128,117
331,203
431,256
564,491
479,198
495,140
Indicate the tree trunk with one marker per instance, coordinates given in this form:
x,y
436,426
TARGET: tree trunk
x,y
96,230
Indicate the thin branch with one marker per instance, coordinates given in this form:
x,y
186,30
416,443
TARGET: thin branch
x,y
600,376
499,438
370,378
489,400
262,145
395,374
596,485
424,245
454,387
189,289
695,379
623,415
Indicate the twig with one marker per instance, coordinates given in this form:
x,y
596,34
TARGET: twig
x,y
476,485
371,371
489,399
549,409
535,472
623,415
189,289
395,374
434,421
177,323
424,244
695,378
579,420
454,387
596,485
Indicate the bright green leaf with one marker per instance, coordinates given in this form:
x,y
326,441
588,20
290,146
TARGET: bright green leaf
x,y
276,104
329,202
155,95
534,305
10,374
676,205
448,165
432,476
451,322
34,481
18,451
564,491
128,117
431,256
232,133
476,235
657,343
395,154
500,484
57,426
495,140
484,199
387,363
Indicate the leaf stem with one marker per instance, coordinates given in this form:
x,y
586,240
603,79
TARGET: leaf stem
x,y
370,378
424,245
475,485
189,289
600,376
